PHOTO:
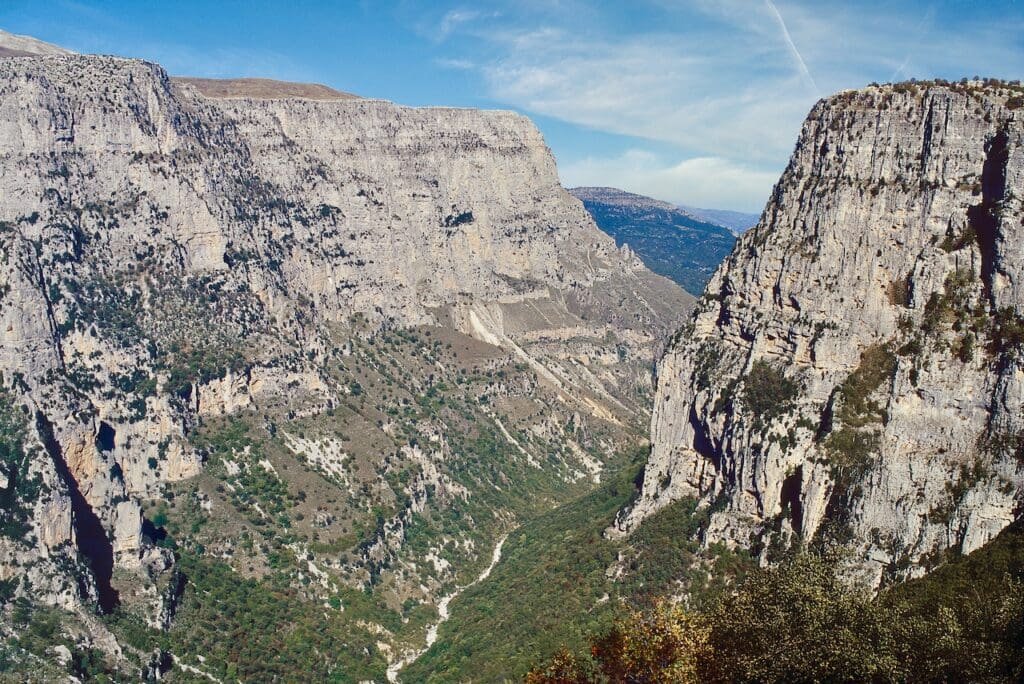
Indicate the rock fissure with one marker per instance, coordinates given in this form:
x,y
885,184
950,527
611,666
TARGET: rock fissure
x,y
90,536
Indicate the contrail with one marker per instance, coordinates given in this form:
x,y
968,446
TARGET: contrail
x,y
804,71
919,32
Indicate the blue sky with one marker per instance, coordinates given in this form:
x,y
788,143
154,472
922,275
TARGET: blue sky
x,y
696,102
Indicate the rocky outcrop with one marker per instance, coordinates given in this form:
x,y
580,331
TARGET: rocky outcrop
x,y
854,369
168,256
13,45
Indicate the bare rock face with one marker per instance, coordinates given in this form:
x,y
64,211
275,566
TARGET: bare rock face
x,y
854,369
167,256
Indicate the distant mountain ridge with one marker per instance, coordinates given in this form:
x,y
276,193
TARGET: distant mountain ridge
x,y
736,221
261,89
13,45
669,240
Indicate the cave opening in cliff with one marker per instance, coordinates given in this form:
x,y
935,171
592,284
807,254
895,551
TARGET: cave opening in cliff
x,y
702,443
983,218
92,539
790,498
105,437
153,532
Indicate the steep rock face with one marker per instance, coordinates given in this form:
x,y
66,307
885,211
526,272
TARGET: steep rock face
x,y
167,256
853,369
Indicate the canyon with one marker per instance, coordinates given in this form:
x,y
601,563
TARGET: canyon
x,y
362,385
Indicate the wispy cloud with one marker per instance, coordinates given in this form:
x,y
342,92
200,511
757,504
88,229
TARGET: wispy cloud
x,y
459,64
712,79
651,87
453,19
804,71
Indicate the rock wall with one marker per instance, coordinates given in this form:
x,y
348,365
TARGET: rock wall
x,y
853,370
168,256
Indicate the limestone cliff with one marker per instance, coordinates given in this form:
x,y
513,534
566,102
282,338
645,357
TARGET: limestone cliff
x,y
168,256
854,369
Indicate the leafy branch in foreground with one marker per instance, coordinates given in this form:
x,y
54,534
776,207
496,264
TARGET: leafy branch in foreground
x,y
801,621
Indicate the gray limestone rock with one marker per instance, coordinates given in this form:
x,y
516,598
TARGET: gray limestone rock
x,y
854,368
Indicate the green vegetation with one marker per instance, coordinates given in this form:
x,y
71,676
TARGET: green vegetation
x,y
767,393
1008,332
856,408
975,606
1003,442
308,539
663,646
558,565
851,450
254,489
851,445
253,629
951,309
669,241
275,633
27,656
20,486
800,621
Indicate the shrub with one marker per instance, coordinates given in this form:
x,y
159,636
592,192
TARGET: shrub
x,y
1008,331
21,487
851,450
663,646
899,292
877,365
803,621
767,392
800,622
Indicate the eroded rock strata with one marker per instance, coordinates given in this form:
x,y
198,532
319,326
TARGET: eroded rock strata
x,y
854,368
169,257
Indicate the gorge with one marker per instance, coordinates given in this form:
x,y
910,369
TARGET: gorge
x,y
301,386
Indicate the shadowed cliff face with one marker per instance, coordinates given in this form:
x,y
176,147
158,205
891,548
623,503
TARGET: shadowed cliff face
x,y
171,259
90,536
884,286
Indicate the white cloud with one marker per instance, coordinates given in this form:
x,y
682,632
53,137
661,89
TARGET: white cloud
x,y
700,181
718,80
661,87
452,20
457,64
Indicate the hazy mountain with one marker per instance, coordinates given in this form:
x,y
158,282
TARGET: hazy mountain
x,y
667,239
736,221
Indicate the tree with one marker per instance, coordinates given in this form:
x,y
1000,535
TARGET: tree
x,y
663,646
801,621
